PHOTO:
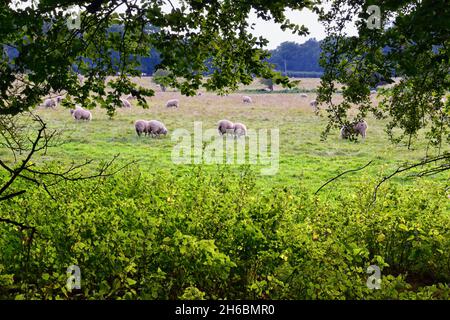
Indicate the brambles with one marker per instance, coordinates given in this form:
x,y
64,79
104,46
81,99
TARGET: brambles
x,y
216,235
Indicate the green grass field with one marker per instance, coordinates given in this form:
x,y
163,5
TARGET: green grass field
x,y
304,158
158,230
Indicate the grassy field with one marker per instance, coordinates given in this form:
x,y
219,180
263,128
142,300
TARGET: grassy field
x,y
304,158
158,230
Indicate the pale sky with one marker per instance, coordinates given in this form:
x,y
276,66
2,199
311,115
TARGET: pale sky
x,y
272,31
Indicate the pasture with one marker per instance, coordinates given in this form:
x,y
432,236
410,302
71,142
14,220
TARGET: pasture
x,y
158,230
304,158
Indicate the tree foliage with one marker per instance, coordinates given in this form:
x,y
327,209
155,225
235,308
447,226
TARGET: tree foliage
x,y
412,45
160,77
186,36
291,56
410,51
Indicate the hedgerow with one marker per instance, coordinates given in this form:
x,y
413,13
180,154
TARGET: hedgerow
x,y
216,235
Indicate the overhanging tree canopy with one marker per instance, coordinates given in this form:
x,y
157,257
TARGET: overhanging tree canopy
x,y
185,33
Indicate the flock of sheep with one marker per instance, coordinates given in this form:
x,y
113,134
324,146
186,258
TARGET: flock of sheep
x,y
155,128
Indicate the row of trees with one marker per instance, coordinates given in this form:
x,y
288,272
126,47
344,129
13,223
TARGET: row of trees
x,y
290,58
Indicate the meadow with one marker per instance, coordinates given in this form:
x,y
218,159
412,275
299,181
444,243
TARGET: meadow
x,y
158,230
304,158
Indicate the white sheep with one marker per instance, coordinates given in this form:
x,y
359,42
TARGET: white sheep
x,y
156,128
81,114
125,103
49,103
141,127
225,126
173,103
359,128
247,99
240,130
314,104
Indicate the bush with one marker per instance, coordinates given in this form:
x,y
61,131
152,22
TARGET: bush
x,y
215,235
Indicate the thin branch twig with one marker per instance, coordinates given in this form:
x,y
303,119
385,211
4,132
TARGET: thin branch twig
x,y
340,175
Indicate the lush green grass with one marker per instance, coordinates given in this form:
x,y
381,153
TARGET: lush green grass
x,y
167,231
304,158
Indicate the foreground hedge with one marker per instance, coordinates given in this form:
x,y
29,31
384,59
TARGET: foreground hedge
x,y
217,235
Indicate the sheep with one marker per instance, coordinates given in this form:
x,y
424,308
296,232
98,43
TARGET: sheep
x,y
156,128
359,127
81,114
314,104
59,99
141,127
247,99
303,95
225,126
240,130
49,103
125,103
173,103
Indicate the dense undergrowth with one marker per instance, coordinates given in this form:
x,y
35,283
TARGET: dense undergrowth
x,y
216,235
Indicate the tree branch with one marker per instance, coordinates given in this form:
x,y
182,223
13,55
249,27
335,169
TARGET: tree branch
x,y
340,175
426,161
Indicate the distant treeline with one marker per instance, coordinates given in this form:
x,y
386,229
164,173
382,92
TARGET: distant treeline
x,y
298,60
290,58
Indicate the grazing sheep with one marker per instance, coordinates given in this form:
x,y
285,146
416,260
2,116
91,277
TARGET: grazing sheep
x,y
59,99
156,128
173,103
240,130
314,104
81,114
225,126
247,99
359,127
49,103
303,95
141,127
125,103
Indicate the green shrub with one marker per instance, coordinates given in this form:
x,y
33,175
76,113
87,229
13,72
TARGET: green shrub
x,y
216,235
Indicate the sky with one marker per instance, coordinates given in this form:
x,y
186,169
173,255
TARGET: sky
x,y
272,31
